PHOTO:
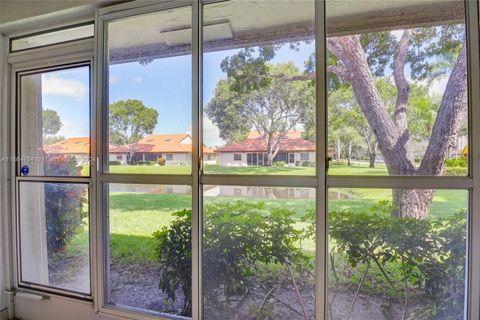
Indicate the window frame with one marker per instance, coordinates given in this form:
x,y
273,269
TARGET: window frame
x,y
84,50
62,56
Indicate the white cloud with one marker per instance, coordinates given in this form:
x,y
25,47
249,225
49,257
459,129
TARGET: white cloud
x,y
137,79
58,86
113,79
211,134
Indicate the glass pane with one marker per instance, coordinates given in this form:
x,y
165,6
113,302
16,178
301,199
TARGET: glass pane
x,y
49,38
258,87
54,235
397,254
55,122
258,252
150,266
150,93
397,88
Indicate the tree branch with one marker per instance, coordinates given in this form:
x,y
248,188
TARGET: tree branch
x,y
403,89
448,118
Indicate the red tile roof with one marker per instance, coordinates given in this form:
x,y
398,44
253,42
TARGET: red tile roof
x,y
79,145
162,143
259,145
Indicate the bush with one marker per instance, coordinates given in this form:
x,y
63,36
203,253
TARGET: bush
x,y
460,162
338,163
114,163
308,164
63,205
237,237
278,163
173,246
144,163
161,161
456,171
429,254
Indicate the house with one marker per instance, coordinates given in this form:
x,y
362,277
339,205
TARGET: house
x,y
176,149
293,150
71,147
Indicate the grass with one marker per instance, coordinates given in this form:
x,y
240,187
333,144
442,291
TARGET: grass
x,y
134,216
357,169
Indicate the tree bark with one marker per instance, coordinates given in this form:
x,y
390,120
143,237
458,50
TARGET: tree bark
x,y
411,203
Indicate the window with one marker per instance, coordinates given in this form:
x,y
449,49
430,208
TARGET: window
x,y
364,228
237,260
52,37
149,89
140,222
257,111
403,122
54,114
291,158
53,179
256,231
54,235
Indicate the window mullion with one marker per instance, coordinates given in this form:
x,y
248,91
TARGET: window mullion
x,y
196,159
321,156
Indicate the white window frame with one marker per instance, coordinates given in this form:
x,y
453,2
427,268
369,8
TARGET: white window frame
x,y
78,50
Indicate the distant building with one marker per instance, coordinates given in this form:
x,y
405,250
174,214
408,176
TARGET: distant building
x,y
176,149
293,150
71,147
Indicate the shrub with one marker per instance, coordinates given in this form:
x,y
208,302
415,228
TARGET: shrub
x,y
144,163
173,246
429,254
308,164
114,163
63,205
161,161
338,163
236,238
460,162
456,171
278,163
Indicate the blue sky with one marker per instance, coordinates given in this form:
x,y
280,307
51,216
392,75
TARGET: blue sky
x,y
164,84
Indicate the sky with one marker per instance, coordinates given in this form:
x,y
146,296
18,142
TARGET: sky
x,y
164,84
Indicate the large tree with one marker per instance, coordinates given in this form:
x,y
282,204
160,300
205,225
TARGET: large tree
x,y
130,120
51,124
261,102
429,52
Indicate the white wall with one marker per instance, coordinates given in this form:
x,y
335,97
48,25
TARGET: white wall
x,y
113,157
311,156
226,159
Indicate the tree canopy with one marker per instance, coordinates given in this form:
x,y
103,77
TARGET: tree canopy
x,y
130,121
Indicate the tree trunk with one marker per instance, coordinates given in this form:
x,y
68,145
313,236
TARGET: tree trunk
x,y
411,203
349,153
338,146
372,159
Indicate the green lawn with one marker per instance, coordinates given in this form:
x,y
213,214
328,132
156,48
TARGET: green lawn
x,y
356,169
133,217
